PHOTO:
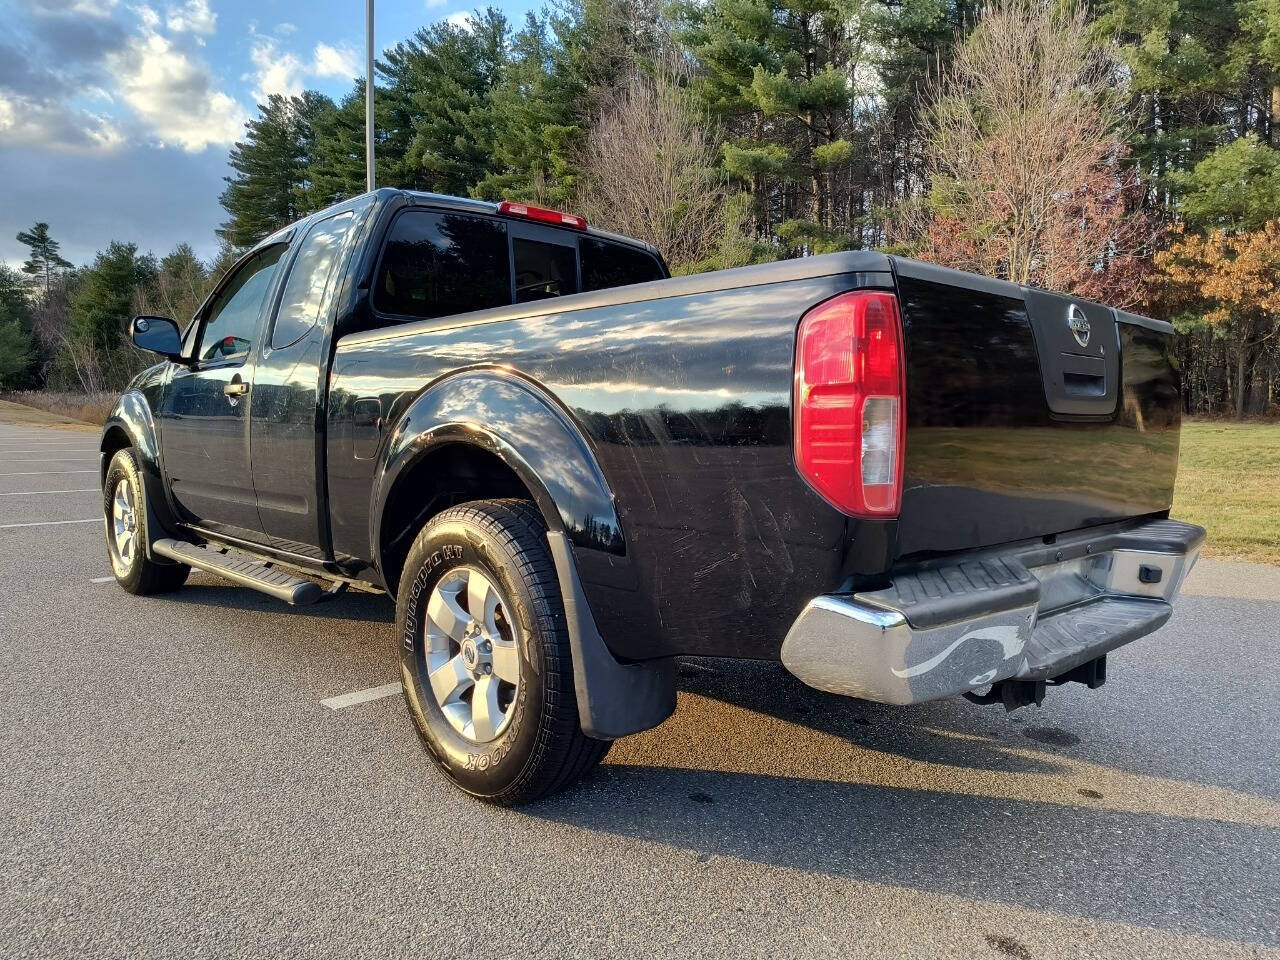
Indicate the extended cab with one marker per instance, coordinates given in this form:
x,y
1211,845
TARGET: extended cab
x,y
567,468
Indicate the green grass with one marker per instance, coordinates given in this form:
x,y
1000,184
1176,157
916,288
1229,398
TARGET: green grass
x,y
1229,483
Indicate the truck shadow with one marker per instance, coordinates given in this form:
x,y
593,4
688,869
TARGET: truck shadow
x,y
756,767
1174,874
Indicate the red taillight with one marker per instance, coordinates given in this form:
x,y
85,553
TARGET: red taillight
x,y
849,403
561,219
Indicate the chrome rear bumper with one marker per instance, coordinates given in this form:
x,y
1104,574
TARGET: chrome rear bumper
x,y
1033,611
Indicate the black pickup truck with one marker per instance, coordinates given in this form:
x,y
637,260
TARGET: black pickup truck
x,y
568,469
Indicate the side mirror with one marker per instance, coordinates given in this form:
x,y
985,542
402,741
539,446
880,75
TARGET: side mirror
x,y
159,335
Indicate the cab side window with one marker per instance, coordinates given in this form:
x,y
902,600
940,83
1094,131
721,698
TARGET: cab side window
x,y
306,292
232,319
438,264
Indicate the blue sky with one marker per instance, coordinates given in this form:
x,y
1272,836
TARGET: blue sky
x,y
116,116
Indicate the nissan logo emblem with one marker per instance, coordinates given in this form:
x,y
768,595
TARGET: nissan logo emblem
x,y
1079,325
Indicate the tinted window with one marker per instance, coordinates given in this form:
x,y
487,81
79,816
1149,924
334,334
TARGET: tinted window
x,y
313,273
613,265
544,270
437,264
232,319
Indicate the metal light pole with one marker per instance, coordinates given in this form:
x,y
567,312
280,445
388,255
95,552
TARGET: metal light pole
x,y
368,95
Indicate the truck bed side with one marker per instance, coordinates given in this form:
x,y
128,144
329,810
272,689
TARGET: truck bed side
x,y
682,388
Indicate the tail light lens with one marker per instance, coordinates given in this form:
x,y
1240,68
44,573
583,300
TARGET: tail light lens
x,y
849,403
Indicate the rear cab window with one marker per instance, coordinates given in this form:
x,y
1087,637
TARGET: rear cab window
x,y
438,263
606,264
543,270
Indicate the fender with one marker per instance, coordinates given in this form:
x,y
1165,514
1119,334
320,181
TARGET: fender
x,y
513,418
131,417
508,415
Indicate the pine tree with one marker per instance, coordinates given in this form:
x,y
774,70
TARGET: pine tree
x,y
17,346
337,169
181,284
782,74
270,189
45,261
99,313
1202,74
537,130
439,103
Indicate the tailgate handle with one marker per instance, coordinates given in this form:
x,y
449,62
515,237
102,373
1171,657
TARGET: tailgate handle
x,y
1083,376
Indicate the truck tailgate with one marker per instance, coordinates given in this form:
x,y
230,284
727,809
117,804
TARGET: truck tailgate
x,y
1028,413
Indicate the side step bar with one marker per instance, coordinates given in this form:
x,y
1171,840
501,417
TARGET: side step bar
x,y
245,570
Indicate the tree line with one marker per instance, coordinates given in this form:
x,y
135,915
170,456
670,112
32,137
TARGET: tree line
x,y
1124,150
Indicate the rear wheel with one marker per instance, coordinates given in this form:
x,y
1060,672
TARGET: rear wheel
x,y
485,656
125,505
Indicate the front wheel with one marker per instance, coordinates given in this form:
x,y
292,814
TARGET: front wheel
x,y
485,655
124,504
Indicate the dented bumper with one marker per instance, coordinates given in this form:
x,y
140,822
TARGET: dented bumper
x,y
1032,611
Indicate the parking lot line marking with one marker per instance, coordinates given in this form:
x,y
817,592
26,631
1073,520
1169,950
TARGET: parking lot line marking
x,y
49,523
102,580
362,696
54,460
44,473
40,493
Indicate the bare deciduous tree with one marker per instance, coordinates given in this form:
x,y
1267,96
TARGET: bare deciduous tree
x,y
650,168
1024,147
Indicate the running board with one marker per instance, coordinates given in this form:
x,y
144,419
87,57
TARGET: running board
x,y
244,569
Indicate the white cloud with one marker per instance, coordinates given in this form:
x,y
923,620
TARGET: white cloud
x,y
334,61
173,95
91,8
460,19
285,29
276,72
194,16
436,4
27,122
150,19
283,72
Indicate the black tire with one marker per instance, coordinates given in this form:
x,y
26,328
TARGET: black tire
x,y
137,572
542,748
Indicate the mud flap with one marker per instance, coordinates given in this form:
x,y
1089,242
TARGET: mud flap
x,y
614,699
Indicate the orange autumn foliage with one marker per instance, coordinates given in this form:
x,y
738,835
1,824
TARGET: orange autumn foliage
x,y
1237,275
1231,283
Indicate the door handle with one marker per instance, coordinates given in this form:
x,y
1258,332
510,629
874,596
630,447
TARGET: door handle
x,y
236,388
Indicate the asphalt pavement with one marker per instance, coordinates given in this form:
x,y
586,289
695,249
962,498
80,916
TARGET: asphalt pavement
x,y
174,784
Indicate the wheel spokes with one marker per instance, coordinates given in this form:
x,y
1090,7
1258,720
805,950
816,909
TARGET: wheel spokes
x,y
506,660
482,600
450,680
486,715
443,610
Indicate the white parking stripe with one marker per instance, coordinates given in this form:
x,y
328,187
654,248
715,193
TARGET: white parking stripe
x,y
40,493
52,460
45,473
50,523
362,696
102,580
